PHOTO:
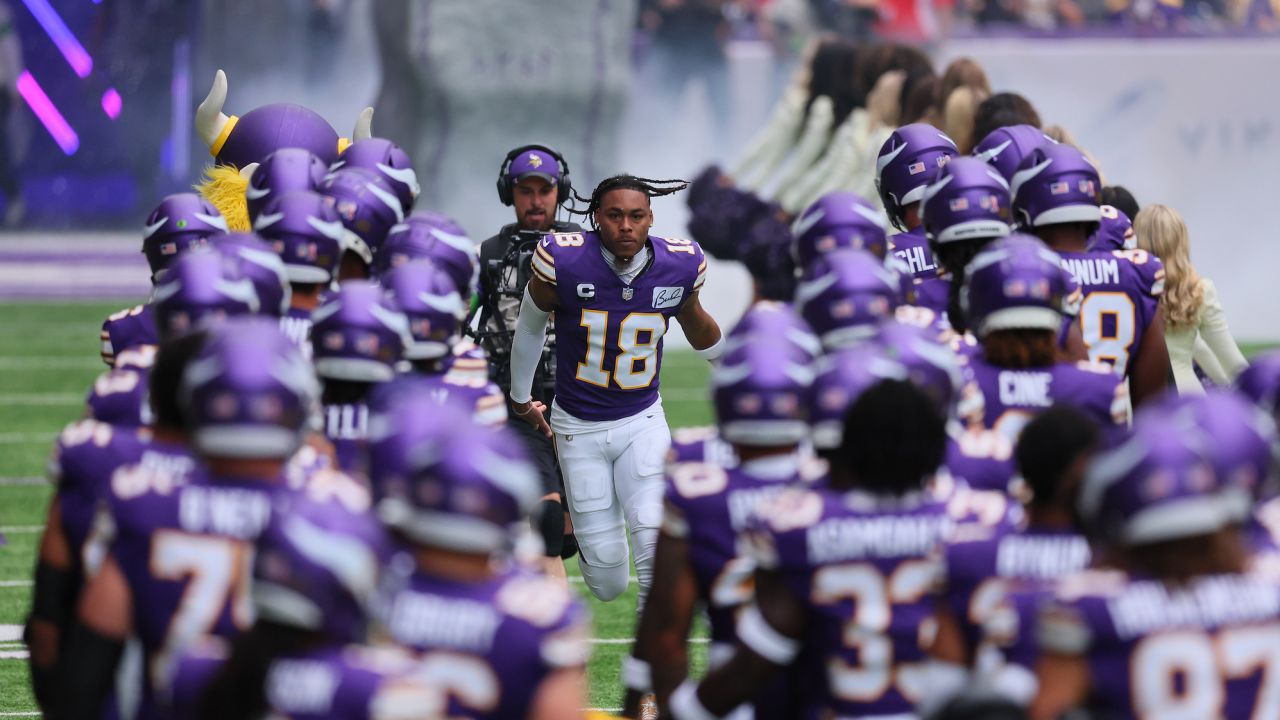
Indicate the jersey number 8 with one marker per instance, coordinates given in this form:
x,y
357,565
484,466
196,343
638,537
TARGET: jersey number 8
x,y
634,367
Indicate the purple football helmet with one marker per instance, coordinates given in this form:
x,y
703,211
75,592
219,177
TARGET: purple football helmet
x,y
366,205
840,378
760,393
358,335
1004,147
845,295
1056,184
430,300
198,289
439,239
466,486
316,567
911,155
282,171
1015,283
930,365
389,161
264,130
1115,231
967,199
250,391
839,220
180,222
305,232
1155,485
262,266
768,320
1260,382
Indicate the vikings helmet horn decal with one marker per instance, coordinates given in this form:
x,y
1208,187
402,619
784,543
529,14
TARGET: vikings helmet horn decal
x,y
210,120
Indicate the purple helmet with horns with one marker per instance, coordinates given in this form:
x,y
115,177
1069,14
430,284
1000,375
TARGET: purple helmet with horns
x,y
1056,184
180,222
1004,147
760,393
465,489
305,232
262,266
316,567
358,335
769,321
840,378
839,220
282,171
438,238
249,393
966,200
1260,382
384,157
911,155
1115,231
365,203
1015,283
1156,485
430,300
199,288
845,295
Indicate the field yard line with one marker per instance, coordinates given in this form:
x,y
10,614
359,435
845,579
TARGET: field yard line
x,y
50,362
14,655
21,529
16,583
28,438
41,398
9,633
22,481
23,714
628,641
580,580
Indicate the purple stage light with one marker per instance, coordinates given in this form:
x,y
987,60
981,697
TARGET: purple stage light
x,y
111,103
61,35
47,113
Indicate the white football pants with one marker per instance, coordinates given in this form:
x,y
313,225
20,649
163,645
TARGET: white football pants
x,y
613,479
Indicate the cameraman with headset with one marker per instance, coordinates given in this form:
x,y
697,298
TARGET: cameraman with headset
x,y
534,179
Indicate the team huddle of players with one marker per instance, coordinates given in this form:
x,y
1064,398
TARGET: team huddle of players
x,y
945,479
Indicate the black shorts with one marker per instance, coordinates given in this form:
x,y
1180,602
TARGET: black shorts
x,y
543,453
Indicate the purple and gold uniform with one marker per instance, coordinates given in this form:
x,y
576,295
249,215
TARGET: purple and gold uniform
x,y
333,683
490,644
1012,397
296,325
700,445
130,328
346,425
997,579
119,397
1203,649
930,289
864,572
982,459
609,333
1121,292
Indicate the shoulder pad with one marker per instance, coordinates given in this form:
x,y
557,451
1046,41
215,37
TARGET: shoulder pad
x,y
690,480
538,600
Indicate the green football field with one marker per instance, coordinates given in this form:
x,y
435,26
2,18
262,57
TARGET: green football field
x,y
48,359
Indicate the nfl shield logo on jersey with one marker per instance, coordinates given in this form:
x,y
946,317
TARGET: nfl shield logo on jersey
x,y
628,293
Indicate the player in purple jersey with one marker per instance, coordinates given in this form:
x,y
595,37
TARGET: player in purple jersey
x,y
1056,197
180,222
177,562
315,572
357,337
1115,231
844,572
613,291
845,295
369,208
838,221
1178,629
1004,147
438,238
307,235
760,393
261,266
501,642
907,160
996,577
82,468
1014,295
285,170
429,299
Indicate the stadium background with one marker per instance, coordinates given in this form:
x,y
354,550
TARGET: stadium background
x,y
102,129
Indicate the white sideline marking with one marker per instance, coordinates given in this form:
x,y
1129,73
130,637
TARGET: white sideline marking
x,y
16,583
50,362
578,579
21,714
628,641
41,399
22,481
10,633
27,438
21,529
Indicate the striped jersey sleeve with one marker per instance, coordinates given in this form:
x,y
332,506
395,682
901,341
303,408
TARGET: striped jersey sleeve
x,y
544,263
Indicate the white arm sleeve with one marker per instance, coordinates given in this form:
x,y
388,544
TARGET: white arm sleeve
x,y
1214,330
526,347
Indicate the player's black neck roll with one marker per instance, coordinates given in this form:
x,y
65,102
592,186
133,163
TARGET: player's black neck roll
x,y
651,188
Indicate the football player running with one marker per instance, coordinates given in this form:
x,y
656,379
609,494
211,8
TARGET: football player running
x,y
1056,194
613,290
760,393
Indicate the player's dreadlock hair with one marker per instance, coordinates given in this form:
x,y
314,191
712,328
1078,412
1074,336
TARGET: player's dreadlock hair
x,y
651,188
